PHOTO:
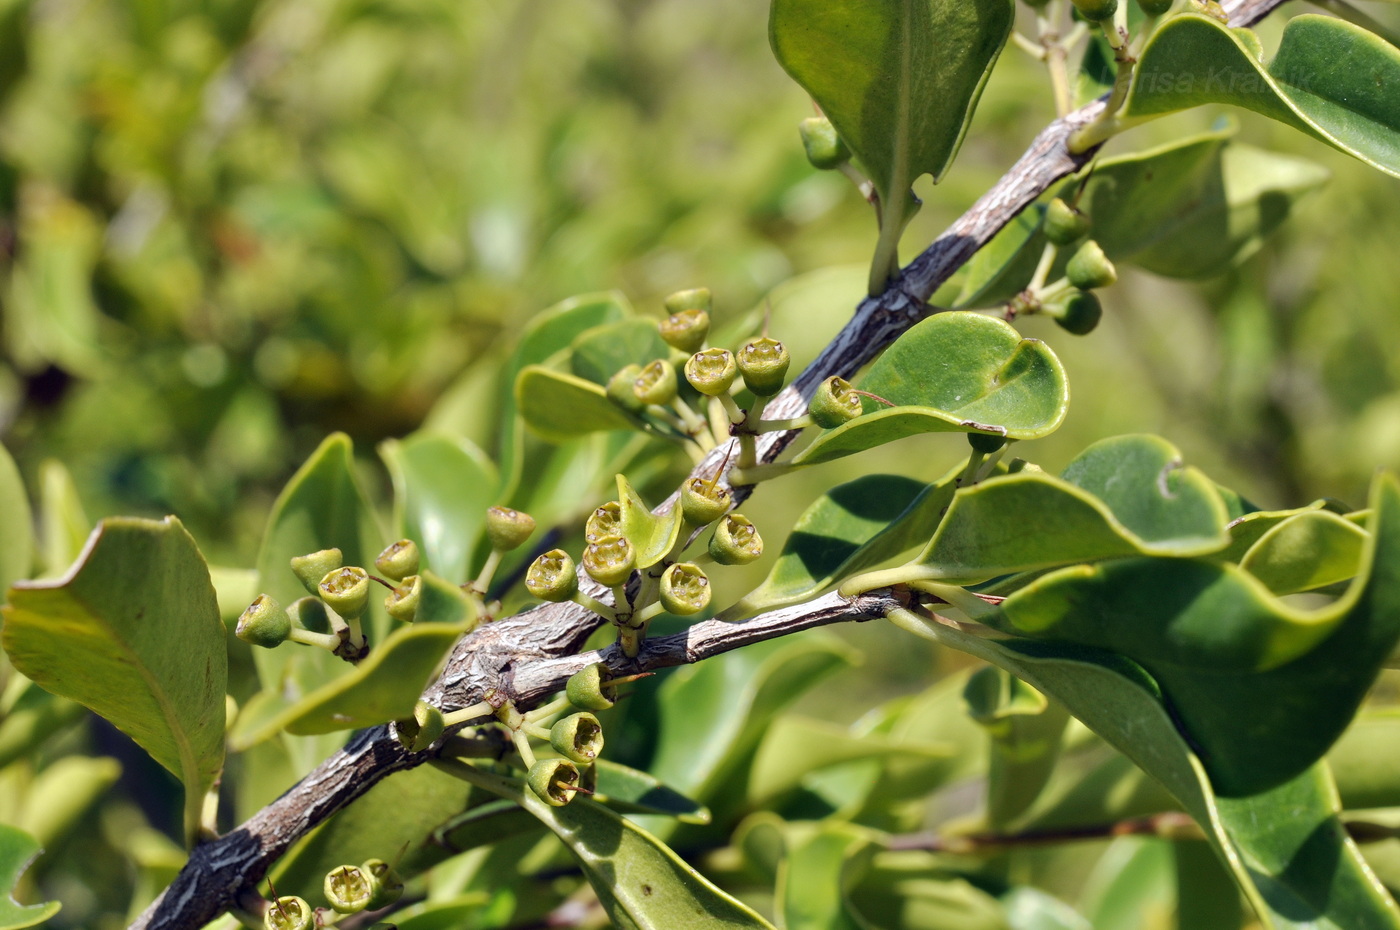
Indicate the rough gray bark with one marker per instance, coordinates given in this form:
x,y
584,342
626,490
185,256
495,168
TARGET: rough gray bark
x,y
531,655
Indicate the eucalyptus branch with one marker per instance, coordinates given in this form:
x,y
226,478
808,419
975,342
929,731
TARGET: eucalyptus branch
x,y
529,656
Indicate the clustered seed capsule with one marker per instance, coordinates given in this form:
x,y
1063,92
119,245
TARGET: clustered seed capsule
x,y
289,913
420,731
736,541
656,383
507,529
402,602
834,403
605,521
264,623
1064,224
346,591
620,389
824,147
398,560
711,371
685,589
686,329
347,889
578,738
702,503
1090,268
314,566
609,560
552,576
1081,313
763,363
589,688
554,781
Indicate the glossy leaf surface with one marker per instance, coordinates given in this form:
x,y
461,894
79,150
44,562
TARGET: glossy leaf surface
x,y
899,80
954,372
1312,549
652,535
1329,78
442,488
17,850
560,407
132,631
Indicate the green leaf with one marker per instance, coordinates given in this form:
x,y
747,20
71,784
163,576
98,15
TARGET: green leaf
x,y
442,488
1322,884
641,882
652,535
1310,550
912,890
451,914
631,791
548,332
561,407
1366,761
1025,729
1330,79
602,351
1131,884
849,528
954,372
898,80
1151,504
818,874
133,633
63,525
383,687
17,850
17,542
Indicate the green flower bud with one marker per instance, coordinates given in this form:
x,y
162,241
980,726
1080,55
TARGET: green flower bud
x,y
398,560
656,384
310,569
578,738
310,613
685,589
1081,313
420,731
697,298
610,560
702,503
402,602
1064,225
589,688
620,389
264,623
552,577
1090,269
1155,7
687,330
554,781
986,443
1096,10
736,541
605,521
346,591
386,886
825,150
764,364
834,403
712,371
347,889
289,913
508,529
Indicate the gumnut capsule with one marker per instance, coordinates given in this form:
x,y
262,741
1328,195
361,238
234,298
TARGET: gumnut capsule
x,y
1081,313
696,298
1155,7
620,389
1096,10
736,541
552,576
610,560
398,560
763,363
589,689
508,529
711,371
686,329
578,738
825,150
346,591
554,781
1064,225
703,503
311,568
420,731
986,443
385,884
289,913
1090,269
402,602
685,589
605,521
656,384
834,403
310,613
264,623
347,889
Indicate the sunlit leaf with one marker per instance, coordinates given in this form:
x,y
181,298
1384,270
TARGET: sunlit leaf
x,y
17,850
652,535
442,488
560,407
1313,549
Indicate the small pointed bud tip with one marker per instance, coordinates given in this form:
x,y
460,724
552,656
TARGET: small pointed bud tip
x,y
508,529
825,149
398,560
711,371
834,403
552,576
313,566
346,591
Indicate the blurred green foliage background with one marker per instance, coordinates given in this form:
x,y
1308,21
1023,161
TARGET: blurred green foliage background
x,y
229,227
